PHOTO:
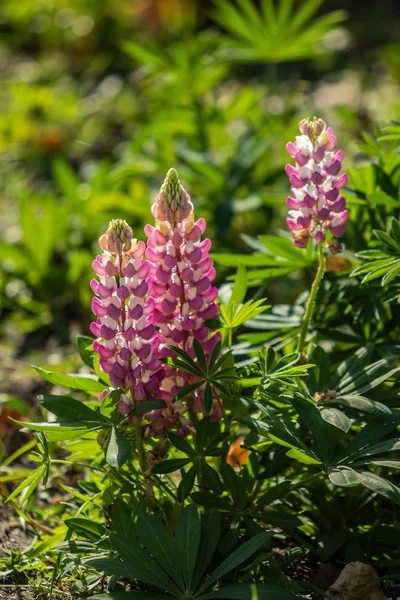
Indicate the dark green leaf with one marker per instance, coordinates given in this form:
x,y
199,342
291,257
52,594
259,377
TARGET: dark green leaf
x,y
169,466
210,534
187,535
118,449
144,407
82,343
208,399
69,409
237,558
186,484
160,543
86,383
86,528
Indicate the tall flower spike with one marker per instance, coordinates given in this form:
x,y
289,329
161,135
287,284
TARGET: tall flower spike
x,y
181,276
127,342
315,202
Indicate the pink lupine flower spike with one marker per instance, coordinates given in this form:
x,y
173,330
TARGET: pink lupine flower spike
x,y
316,205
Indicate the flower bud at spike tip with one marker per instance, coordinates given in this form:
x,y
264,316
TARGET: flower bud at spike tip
x,y
173,203
118,237
317,208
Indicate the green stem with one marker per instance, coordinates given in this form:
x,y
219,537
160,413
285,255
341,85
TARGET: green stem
x,y
139,447
311,299
76,464
230,337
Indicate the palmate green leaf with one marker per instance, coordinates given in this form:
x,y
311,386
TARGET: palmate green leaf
x,y
188,389
329,542
171,465
370,480
144,567
118,449
381,461
186,484
280,519
86,528
391,274
371,267
284,249
274,35
130,596
363,404
264,591
161,545
208,399
369,377
237,557
242,314
187,536
245,260
113,567
82,343
389,241
210,534
211,478
337,418
200,354
303,456
369,434
318,376
343,476
235,485
311,418
29,484
239,288
56,432
86,383
351,367
181,444
372,255
69,409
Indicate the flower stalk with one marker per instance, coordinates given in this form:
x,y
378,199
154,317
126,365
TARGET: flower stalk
x,y
311,300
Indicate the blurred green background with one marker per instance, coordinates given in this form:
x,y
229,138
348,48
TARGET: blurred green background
x,y
100,98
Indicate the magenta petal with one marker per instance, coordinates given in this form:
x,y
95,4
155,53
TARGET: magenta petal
x,y
317,178
107,333
334,169
301,159
97,308
323,214
291,149
339,230
332,194
319,154
341,181
141,290
203,284
292,203
95,329
339,205
122,292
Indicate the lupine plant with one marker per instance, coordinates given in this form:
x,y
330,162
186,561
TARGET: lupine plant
x,y
200,464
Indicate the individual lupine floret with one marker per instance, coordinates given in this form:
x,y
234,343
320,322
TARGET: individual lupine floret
x,y
127,342
181,275
316,203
